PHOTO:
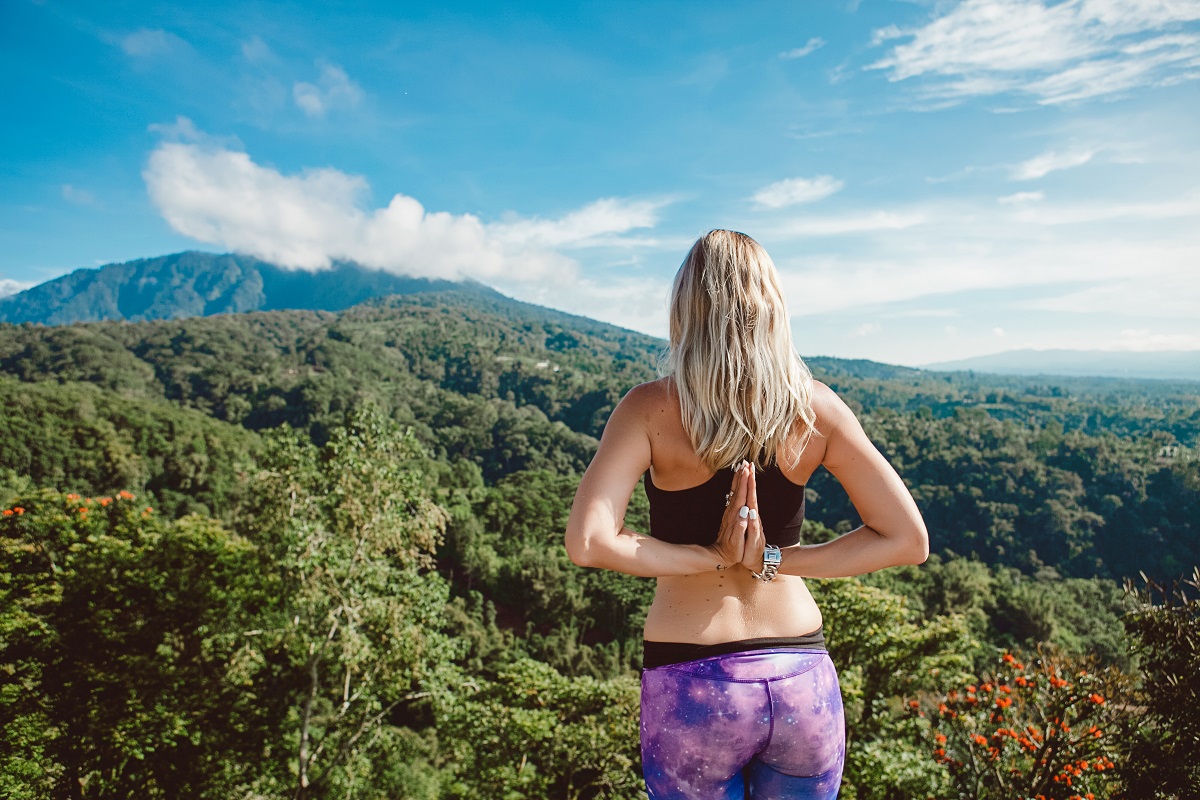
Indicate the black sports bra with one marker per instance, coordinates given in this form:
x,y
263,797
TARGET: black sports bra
x,y
693,516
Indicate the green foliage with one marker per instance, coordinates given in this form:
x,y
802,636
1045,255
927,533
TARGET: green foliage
x,y
397,617
350,531
123,640
533,733
1012,611
77,437
885,652
1164,753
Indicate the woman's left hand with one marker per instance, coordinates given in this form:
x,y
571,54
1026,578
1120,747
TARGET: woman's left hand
x,y
756,541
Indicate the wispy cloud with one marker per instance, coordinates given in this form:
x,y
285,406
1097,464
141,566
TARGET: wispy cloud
x,y
77,196
794,191
218,195
842,224
255,50
1060,53
151,43
1021,197
1042,165
811,46
333,89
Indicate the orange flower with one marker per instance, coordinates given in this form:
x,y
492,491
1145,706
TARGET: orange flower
x,y
1008,658
1006,689
987,687
1003,702
943,708
72,497
1020,680
8,512
19,510
104,501
940,738
1098,699
124,495
980,740
913,704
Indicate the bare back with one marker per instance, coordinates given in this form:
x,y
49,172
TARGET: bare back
x,y
717,606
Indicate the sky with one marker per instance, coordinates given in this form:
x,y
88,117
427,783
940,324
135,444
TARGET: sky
x,y
934,180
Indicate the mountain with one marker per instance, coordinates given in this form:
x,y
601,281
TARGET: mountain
x,y
194,284
1178,365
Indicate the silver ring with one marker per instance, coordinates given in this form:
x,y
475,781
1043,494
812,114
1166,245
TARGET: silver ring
x,y
728,497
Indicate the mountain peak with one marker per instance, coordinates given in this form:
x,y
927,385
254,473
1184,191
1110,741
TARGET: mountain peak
x,y
198,284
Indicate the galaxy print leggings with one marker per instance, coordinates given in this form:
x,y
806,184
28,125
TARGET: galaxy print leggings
x,y
762,724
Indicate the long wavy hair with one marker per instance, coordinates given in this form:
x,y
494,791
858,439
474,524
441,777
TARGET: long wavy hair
x,y
743,391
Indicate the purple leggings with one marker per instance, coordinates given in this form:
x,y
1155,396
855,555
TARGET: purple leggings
x,y
760,724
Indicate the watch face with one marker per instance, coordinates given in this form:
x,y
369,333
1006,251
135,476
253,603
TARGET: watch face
x,y
772,557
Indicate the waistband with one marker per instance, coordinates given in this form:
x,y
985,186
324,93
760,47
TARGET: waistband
x,y
661,654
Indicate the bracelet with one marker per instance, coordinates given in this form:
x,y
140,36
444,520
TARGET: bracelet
x,y
772,558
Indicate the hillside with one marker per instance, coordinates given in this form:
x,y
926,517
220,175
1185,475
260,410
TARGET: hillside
x,y
1089,476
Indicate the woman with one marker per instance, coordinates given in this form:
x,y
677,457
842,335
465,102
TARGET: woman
x,y
739,697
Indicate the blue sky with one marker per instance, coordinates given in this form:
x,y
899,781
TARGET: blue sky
x,y
935,180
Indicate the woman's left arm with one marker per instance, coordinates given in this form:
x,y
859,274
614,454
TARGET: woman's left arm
x,y
892,533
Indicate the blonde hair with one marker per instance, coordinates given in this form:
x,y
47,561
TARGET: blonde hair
x,y
744,393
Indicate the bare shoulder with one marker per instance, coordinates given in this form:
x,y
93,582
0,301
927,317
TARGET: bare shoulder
x,y
832,412
648,399
641,404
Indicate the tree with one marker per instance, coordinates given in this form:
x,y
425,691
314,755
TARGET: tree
x,y
351,531
124,641
1164,757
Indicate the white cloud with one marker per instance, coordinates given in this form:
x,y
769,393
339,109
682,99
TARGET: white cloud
x,y
1021,197
589,226
812,45
80,197
866,329
997,331
1078,258
150,43
792,191
9,287
1065,52
1142,340
848,223
255,50
333,89
220,196
1044,164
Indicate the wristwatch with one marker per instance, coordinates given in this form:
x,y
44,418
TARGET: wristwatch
x,y
772,558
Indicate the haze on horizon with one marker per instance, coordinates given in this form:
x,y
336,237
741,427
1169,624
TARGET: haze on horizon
x,y
934,180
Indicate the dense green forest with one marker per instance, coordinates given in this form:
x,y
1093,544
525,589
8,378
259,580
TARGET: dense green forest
x,y
329,547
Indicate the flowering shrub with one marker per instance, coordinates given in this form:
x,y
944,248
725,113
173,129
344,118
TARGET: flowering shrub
x,y
1044,730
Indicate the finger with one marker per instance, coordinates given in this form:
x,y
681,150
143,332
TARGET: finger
x,y
752,488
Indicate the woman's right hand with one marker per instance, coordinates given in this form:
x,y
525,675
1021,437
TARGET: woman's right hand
x,y
730,547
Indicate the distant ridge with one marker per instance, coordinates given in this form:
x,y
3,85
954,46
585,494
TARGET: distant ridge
x,y
195,284
1162,365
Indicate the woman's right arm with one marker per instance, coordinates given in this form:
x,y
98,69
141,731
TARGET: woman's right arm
x,y
596,533
892,532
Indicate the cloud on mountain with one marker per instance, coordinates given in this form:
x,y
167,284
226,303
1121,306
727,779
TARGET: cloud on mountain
x,y
212,191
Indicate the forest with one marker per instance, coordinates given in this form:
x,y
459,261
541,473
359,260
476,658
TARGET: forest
x,y
311,554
